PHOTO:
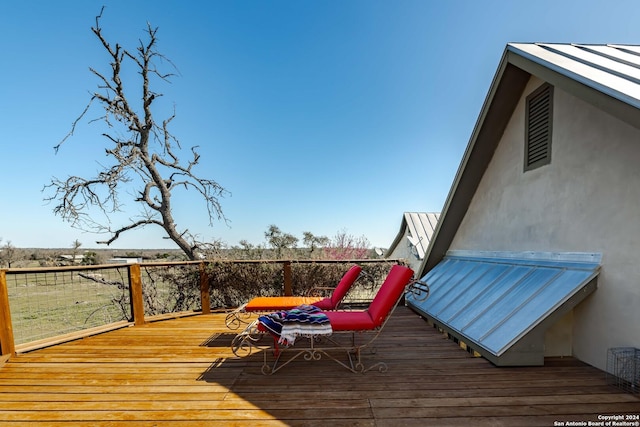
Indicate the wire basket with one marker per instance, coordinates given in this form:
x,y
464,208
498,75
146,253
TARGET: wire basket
x,y
623,368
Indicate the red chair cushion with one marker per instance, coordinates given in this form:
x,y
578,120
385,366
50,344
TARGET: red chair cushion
x,y
389,293
262,304
325,304
343,286
350,320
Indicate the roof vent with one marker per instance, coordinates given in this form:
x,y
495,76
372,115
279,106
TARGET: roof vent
x,y
539,116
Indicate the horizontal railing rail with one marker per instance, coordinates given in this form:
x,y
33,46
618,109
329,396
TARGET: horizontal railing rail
x,y
46,305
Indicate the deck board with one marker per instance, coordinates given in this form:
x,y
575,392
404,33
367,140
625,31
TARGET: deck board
x,y
181,372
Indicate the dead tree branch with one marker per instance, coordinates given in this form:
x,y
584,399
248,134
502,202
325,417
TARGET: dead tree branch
x,y
144,154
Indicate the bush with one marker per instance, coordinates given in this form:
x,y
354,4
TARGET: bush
x,y
232,284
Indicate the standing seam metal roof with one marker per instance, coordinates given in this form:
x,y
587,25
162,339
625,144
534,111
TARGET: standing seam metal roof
x,y
421,227
611,69
492,301
418,228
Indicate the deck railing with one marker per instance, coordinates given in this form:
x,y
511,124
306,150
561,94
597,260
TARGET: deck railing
x,y
44,306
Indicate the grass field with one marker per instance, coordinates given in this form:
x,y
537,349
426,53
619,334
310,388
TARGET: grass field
x,y
54,303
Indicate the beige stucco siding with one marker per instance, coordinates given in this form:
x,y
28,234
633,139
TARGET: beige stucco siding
x,y
406,252
586,200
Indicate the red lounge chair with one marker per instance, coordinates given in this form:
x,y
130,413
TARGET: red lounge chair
x,y
361,325
270,304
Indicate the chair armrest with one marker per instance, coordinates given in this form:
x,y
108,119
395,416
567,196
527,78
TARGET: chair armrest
x,y
419,289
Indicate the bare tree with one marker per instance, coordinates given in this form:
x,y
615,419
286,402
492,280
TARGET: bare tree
x,y
75,246
280,241
314,242
8,253
143,151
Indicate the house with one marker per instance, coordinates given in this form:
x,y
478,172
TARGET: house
x,y
125,260
537,250
70,259
412,240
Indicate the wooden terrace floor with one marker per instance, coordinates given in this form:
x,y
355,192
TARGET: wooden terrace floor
x,y
181,372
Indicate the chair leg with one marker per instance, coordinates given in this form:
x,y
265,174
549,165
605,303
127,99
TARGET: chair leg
x,y
237,318
314,353
246,341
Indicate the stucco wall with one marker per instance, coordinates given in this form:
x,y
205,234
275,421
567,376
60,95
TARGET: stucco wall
x,y
404,250
586,200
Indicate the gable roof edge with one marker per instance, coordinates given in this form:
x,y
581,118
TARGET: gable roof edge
x,y
418,226
507,85
399,236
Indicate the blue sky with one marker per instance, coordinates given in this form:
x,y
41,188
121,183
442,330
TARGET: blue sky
x,y
320,116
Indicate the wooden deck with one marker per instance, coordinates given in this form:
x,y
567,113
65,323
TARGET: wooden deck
x,y
181,372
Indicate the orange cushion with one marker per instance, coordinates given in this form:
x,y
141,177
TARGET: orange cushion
x,y
280,303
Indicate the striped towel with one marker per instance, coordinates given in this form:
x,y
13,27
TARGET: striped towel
x,y
304,320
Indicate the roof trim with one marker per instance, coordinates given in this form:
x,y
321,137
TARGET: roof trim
x,y
571,259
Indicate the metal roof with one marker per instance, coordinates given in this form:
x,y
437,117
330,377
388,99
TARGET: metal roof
x,y
501,303
610,69
416,231
420,227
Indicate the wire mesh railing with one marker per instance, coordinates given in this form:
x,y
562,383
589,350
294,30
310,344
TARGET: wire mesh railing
x,y
47,303
170,288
